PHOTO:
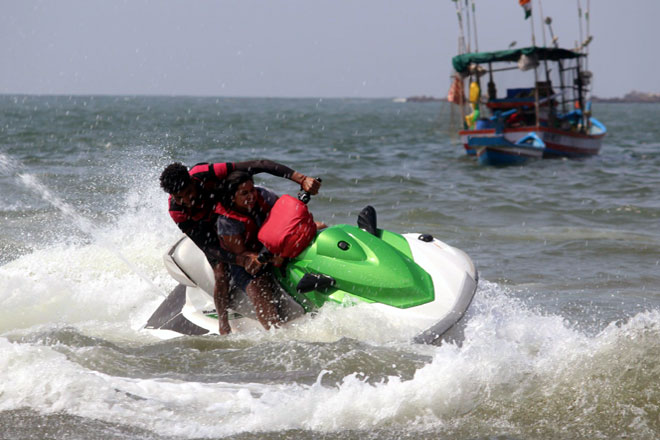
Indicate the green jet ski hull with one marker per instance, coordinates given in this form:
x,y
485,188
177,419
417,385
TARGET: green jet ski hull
x,y
413,276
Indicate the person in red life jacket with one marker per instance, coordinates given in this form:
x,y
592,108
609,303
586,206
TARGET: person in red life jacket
x,y
193,196
242,210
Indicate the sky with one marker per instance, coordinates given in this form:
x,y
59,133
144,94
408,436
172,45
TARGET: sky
x,y
298,48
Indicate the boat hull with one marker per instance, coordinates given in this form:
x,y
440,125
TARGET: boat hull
x,y
557,143
497,150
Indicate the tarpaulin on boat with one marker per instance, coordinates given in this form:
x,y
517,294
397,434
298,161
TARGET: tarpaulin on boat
x,y
461,62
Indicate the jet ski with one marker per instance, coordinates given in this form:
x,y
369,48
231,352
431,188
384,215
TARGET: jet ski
x,y
416,276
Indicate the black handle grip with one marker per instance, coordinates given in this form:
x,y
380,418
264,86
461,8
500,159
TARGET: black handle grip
x,y
264,255
305,196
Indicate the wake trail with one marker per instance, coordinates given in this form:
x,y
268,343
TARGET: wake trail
x,y
11,167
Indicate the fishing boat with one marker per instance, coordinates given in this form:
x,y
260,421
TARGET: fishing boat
x,y
547,116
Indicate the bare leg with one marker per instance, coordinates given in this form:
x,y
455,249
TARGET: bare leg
x,y
260,292
221,297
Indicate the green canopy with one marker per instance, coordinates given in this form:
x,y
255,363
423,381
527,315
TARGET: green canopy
x,y
461,62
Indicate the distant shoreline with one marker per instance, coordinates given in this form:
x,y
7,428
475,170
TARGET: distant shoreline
x,y
632,97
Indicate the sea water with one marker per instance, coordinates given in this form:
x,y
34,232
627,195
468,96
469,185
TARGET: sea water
x,y
562,339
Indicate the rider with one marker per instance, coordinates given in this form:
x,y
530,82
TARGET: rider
x,y
193,195
242,210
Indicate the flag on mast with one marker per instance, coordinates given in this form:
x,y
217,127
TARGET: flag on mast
x,y
527,6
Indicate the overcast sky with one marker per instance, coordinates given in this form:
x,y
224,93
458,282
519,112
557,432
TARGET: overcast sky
x,y
296,48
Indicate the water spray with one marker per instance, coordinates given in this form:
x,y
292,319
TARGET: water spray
x,y
9,166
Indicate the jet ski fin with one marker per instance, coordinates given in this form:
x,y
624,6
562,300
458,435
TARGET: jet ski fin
x,y
314,281
367,220
169,315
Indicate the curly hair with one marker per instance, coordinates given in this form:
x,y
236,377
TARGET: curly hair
x,y
174,177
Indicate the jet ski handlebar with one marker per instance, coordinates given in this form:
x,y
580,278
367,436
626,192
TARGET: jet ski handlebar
x,y
264,255
305,196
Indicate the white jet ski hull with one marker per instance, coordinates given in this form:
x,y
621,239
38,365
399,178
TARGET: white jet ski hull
x,y
190,310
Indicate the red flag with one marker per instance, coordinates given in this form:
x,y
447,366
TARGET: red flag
x,y
455,94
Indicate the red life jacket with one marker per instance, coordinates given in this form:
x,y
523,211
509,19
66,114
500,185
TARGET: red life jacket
x,y
208,176
251,224
289,228
205,172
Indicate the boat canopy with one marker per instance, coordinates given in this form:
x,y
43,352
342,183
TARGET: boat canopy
x,y
462,62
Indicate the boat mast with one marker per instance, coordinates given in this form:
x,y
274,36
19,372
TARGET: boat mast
x,y
536,73
476,46
562,84
586,47
579,6
547,70
462,48
584,76
474,25
461,35
531,21
467,23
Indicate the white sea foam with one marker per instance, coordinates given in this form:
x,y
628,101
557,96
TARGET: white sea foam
x,y
510,353
510,356
106,281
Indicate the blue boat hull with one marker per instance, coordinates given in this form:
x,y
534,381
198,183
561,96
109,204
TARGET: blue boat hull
x,y
497,150
510,145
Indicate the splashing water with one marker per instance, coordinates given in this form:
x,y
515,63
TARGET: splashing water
x,y
8,165
514,364
31,182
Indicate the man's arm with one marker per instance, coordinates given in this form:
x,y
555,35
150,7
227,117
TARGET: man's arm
x,y
221,297
244,257
253,167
